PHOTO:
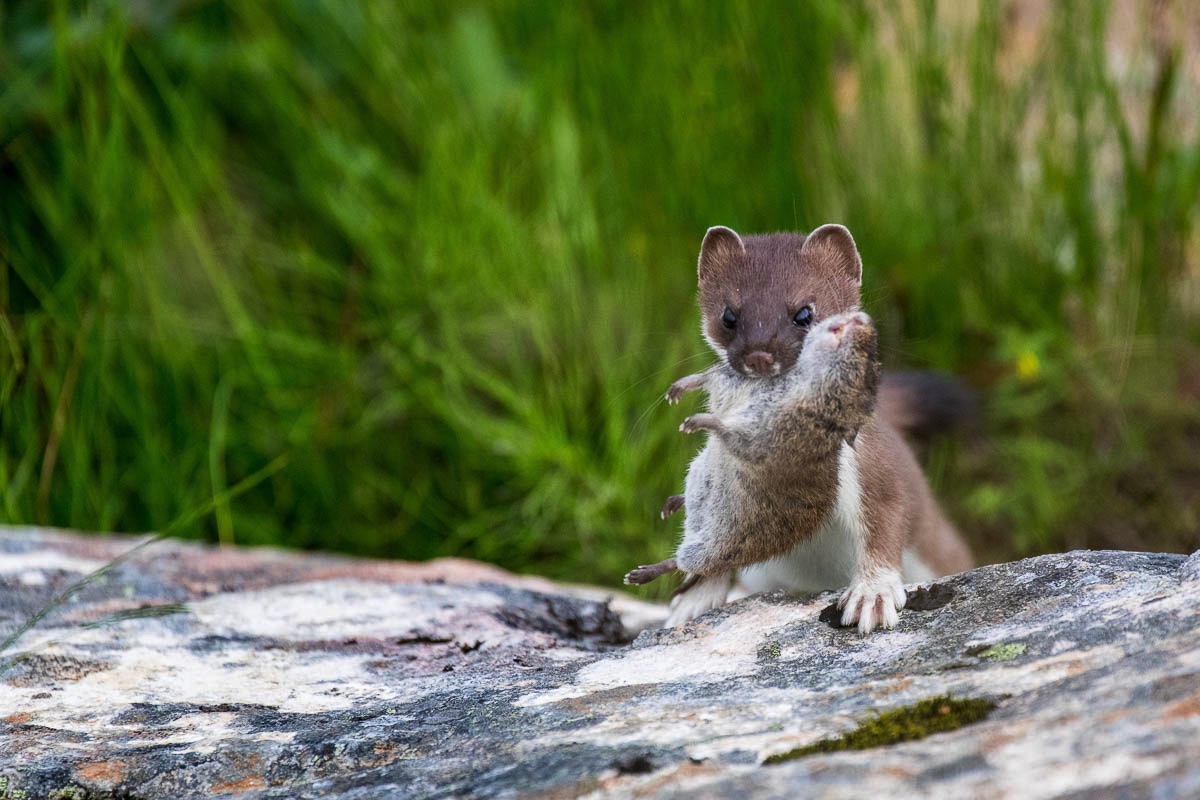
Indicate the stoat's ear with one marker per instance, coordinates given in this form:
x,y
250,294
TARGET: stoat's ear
x,y
833,246
719,246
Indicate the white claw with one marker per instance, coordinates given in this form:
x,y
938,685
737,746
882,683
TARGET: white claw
x,y
873,601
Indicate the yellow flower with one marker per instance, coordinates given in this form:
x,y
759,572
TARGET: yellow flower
x,y
1028,366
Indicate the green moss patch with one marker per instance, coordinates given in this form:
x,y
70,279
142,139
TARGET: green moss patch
x,y
1003,652
934,715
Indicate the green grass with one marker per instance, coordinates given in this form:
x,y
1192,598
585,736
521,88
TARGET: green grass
x,y
441,259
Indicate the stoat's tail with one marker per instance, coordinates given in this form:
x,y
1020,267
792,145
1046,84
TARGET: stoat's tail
x,y
925,404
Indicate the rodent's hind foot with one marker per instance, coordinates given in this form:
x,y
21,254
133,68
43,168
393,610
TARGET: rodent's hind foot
x,y
873,601
648,572
673,504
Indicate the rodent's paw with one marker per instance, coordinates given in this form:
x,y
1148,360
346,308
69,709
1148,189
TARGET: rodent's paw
x,y
648,572
700,422
673,504
873,601
682,386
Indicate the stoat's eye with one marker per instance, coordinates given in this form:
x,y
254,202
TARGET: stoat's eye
x,y
804,317
729,319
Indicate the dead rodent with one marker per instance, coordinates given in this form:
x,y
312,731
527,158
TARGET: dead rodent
x,y
803,484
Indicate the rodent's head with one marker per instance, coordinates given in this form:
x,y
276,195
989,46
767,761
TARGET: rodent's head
x,y
761,296
843,339
841,358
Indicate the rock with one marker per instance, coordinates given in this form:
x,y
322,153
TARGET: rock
x,y
258,673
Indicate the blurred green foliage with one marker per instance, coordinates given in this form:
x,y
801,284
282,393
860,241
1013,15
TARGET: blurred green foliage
x,y
440,258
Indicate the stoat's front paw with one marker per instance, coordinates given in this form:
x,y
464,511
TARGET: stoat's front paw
x,y
704,595
874,600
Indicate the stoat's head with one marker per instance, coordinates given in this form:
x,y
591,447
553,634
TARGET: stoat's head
x,y
760,296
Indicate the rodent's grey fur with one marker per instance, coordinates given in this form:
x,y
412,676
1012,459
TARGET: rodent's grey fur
x,y
768,475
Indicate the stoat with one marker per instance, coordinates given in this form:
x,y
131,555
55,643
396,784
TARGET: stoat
x,y
804,484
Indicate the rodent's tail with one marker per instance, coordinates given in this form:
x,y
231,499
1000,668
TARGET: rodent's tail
x,y
925,404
